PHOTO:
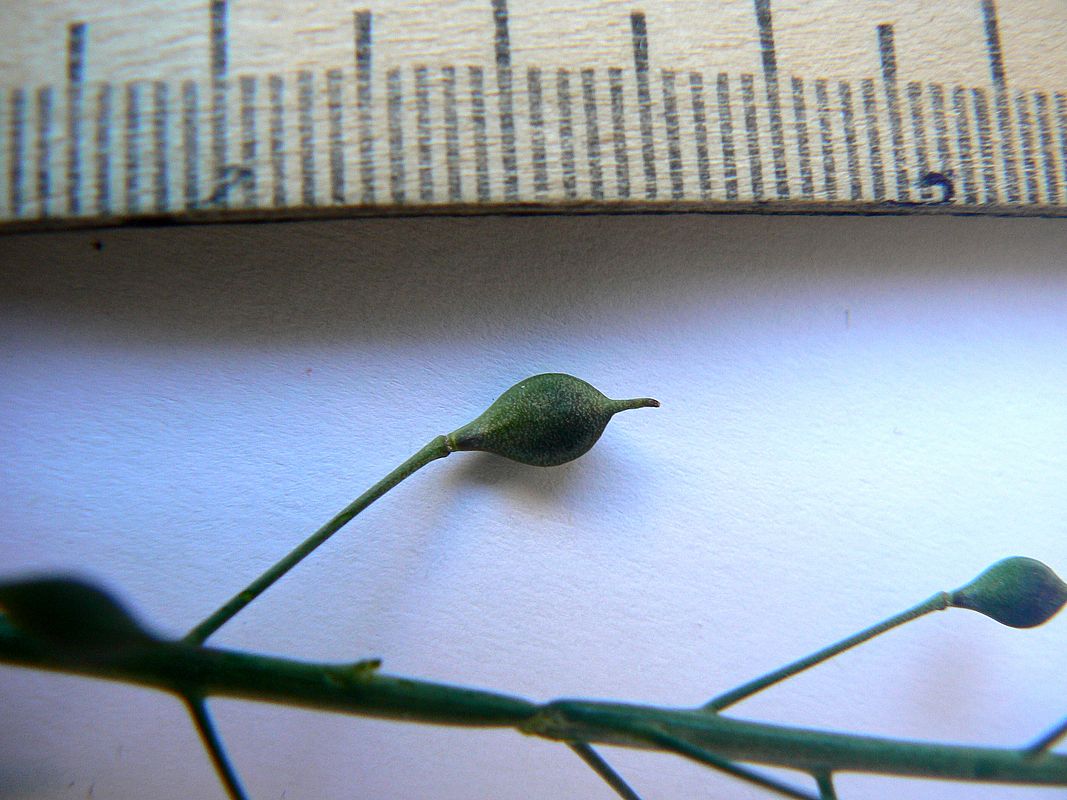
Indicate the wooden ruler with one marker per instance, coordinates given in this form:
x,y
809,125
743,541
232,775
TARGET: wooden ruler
x,y
124,110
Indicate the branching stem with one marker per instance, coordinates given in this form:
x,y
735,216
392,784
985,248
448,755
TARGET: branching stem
x,y
937,602
1047,740
825,782
604,770
437,448
699,754
213,744
360,689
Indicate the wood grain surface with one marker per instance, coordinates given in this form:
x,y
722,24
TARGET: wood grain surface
x,y
113,112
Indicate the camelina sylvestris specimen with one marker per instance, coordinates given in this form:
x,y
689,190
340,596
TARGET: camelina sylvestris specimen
x,y
545,420
68,624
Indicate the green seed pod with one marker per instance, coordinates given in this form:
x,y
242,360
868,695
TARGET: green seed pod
x,y
1018,591
70,613
544,420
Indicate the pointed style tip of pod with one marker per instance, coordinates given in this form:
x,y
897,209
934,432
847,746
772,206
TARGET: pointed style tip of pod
x,y
1018,591
637,402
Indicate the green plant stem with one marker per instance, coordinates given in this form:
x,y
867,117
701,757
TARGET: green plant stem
x,y
713,760
783,746
360,689
1048,740
213,744
825,781
604,770
437,448
937,602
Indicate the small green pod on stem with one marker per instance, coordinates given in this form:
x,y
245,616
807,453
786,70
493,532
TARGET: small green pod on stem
x,y
544,420
1018,591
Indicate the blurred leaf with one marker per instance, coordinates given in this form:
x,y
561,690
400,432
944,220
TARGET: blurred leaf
x,y
70,612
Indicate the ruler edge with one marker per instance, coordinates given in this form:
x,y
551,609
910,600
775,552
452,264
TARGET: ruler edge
x,y
775,208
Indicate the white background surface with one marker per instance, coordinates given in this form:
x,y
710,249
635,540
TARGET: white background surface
x,y
856,413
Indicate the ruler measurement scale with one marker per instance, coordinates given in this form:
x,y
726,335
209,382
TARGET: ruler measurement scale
x,y
415,135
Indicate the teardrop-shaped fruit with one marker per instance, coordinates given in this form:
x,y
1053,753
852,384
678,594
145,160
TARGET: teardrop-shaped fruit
x,y
544,420
70,612
1018,591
